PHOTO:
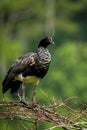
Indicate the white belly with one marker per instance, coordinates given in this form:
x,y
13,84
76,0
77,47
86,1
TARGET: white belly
x,y
28,79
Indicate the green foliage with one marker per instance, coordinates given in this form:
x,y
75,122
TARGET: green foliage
x,y
9,49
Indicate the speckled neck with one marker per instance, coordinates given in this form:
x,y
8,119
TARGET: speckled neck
x,y
44,55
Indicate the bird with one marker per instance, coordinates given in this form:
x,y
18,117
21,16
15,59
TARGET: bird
x,y
29,68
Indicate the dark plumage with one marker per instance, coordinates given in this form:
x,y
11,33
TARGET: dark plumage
x,y
30,67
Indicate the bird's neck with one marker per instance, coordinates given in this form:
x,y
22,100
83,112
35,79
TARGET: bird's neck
x,y
44,55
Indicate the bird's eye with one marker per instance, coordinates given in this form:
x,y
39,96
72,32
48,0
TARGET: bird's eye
x,y
49,39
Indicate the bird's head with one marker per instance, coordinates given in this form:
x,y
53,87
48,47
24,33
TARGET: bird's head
x,y
45,42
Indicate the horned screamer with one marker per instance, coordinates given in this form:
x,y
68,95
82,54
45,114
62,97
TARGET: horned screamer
x,y
31,68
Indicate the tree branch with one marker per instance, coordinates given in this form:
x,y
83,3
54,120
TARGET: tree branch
x,y
47,114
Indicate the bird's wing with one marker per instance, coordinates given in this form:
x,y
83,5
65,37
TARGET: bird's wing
x,y
24,62
20,66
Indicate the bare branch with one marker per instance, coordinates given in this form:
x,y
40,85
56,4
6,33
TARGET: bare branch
x,y
47,114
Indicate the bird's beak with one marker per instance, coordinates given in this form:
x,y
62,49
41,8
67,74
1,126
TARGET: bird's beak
x,y
53,42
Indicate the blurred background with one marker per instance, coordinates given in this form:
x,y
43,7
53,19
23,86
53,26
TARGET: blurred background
x,y
23,23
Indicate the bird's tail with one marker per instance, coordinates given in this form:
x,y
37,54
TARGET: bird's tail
x,y
13,85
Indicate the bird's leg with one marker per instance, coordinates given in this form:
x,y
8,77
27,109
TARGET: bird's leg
x,y
23,90
34,95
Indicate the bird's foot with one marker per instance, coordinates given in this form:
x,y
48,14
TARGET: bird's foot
x,y
24,101
35,103
21,98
